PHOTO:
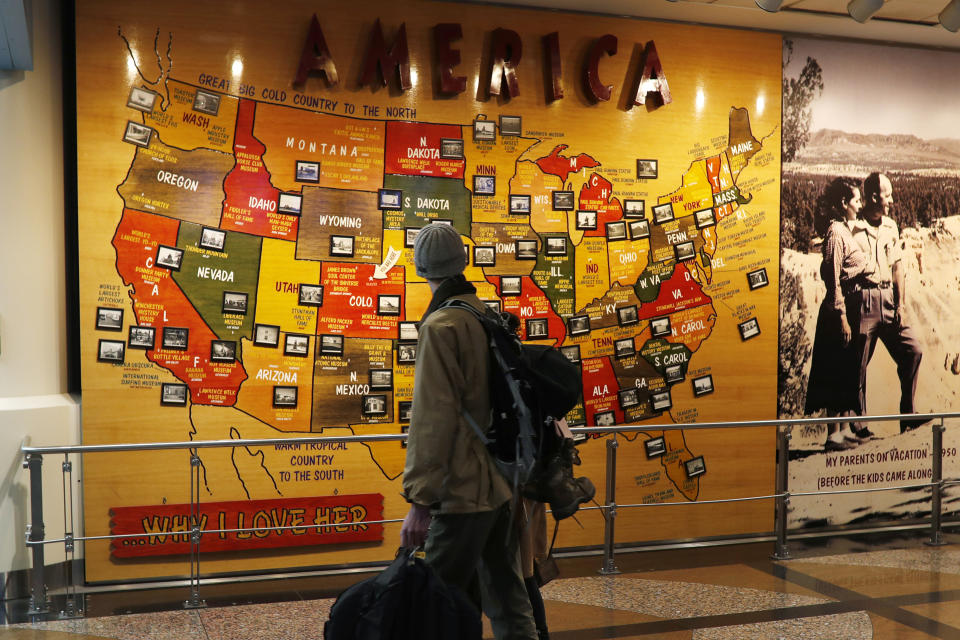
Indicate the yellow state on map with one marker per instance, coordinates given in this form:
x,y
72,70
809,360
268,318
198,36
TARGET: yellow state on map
x,y
628,259
278,290
267,369
592,271
694,194
182,126
496,158
396,239
530,179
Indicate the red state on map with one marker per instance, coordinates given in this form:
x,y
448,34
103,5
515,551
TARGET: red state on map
x,y
596,196
357,305
680,292
413,149
532,304
600,387
251,202
158,302
562,166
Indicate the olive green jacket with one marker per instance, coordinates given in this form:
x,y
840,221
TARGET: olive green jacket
x,y
448,468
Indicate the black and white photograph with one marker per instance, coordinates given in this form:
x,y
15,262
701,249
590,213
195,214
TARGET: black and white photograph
x,y
223,350
655,447
757,279
627,315
695,467
175,338
390,199
169,257
310,295
290,203
484,185
406,352
555,246
493,305
206,102
331,344
404,428
673,373
137,134
634,208
660,400
526,249
173,394
510,125
446,221
484,130
702,385
578,325
404,410
213,239
685,251
662,213
141,99
628,398
307,171
563,200
484,256
571,352
624,348
604,419
388,305
110,350
660,327
536,328
284,397
616,231
234,302
519,204
374,405
646,169
266,335
510,285
451,148
341,246
381,379
410,236
141,337
109,319
704,218
407,331
586,220
296,344
749,329
639,229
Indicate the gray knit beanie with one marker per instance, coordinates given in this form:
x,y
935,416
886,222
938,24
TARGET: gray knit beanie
x,y
438,252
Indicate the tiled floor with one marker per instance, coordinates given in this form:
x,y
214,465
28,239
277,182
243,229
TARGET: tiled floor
x,y
883,587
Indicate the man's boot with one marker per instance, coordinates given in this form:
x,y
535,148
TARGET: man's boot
x,y
556,485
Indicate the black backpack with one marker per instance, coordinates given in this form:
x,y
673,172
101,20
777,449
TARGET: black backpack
x,y
407,600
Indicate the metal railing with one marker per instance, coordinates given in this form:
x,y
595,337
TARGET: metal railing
x,y
36,539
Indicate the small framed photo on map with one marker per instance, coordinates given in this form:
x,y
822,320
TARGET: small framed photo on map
x,y
284,397
484,130
627,315
206,102
307,171
404,411
663,213
634,208
169,257
381,379
510,125
586,220
290,203
660,327
510,285
404,428
173,394
555,246
673,373
374,405
624,348
235,302
578,325
213,239
484,256
639,229
571,352
223,350
341,246
406,352
141,337
109,319
616,231
175,338
685,251
661,401
407,331
451,148
410,236
695,467
388,305
628,398
537,328
266,335
749,329
446,221
310,295
493,305
704,218
757,279
604,419
484,185
297,345
646,169
141,99
702,386
137,134
331,344
563,200
390,199
655,447
526,249
519,204
110,350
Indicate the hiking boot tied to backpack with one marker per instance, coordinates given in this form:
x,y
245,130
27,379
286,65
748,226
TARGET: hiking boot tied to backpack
x,y
553,482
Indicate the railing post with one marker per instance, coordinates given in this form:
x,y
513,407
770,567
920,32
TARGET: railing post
x,y
195,601
936,535
780,551
35,534
610,513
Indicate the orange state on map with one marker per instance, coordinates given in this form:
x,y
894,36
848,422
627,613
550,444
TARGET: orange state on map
x,y
413,149
209,124
349,150
357,305
597,195
530,179
159,302
278,288
532,304
680,291
562,166
251,202
272,375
